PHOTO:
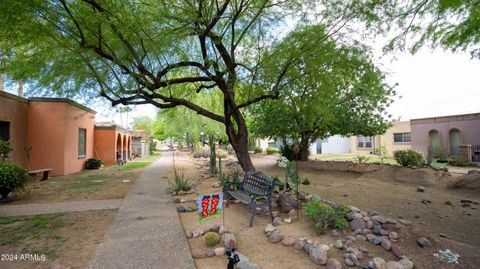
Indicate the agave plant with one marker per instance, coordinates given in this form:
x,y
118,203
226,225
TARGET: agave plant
x,y
180,183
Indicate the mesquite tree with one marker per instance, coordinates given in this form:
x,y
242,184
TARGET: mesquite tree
x,y
159,52
336,90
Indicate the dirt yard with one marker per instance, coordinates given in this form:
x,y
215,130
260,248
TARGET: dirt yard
x,y
67,240
389,190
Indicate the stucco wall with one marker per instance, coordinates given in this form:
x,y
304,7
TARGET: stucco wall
x,y
14,109
76,118
46,135
469,126
105,145
53,134
387,138
384,139
336,144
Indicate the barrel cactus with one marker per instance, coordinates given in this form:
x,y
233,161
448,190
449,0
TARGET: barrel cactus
x,y
211,239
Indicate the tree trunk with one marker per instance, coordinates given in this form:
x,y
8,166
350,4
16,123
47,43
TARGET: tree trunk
x,y
239,143
304,149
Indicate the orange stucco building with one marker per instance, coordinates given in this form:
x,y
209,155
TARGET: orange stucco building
x,y
112,142
58,133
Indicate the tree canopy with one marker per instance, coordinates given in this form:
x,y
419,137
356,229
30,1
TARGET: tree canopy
x,y
161,52
336,89
451,24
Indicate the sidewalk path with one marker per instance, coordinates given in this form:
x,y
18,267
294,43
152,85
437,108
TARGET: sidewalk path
x,y
51,208
146,233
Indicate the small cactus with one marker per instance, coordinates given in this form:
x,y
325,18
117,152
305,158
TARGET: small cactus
x,y
211,239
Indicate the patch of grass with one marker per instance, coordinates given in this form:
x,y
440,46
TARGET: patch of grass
x,y
32,227
132,165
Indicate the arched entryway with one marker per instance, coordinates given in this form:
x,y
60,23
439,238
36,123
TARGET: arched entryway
x,y
454,140
124,153
434,143
129,147
118,148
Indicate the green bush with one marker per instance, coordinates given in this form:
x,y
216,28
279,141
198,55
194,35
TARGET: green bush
x,y
325,216
272,150
408,157
362,159
458,160
12,176
287,151
179,183
232,181
93,163
257,150
5,148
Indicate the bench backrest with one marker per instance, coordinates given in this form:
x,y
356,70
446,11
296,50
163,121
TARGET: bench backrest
x,y
257,183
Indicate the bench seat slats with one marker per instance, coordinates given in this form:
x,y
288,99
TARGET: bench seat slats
x,y
255,185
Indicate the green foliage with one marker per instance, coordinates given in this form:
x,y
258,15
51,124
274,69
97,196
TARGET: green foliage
x,y
361,158
180,183
291,179
211,239
334,90
5,149
451,24
286,150
257,149
383,152
272,150
93,163
458,160
231,181
325,216
408,157
12,176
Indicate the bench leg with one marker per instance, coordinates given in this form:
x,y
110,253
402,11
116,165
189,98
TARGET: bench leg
x,y
270,209
45,175
254,210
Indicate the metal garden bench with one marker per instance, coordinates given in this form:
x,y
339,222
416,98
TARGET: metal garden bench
x,y
256,186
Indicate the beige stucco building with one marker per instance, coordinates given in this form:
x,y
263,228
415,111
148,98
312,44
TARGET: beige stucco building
x,y
397,137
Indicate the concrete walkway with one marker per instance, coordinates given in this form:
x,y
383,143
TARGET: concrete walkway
x,y
51,208
146,233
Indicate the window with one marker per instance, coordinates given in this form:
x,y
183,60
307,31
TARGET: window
x,y
82,143
364,141
5,130
402,138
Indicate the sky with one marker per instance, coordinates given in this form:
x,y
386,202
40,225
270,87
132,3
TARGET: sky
x,y
434,83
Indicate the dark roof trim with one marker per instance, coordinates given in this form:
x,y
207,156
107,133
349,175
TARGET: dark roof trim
x,y
61,100
113,127
461,117
13,97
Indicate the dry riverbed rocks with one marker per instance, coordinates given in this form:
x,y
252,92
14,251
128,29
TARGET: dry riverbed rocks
x,y
365,227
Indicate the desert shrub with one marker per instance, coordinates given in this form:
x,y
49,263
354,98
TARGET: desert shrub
x,y
272,150
287,151
211,239
179,182
231,181
458,160
12,176
361,159
257,149
325,216
408,157
93,163
5,149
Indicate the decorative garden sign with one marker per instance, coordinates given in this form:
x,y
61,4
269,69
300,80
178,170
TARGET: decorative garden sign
x,y
210,206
